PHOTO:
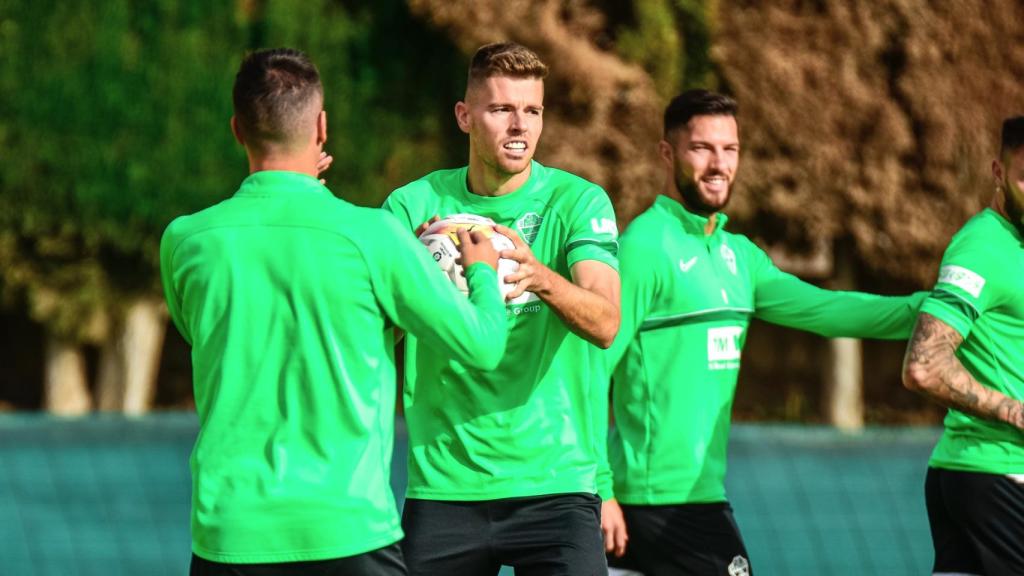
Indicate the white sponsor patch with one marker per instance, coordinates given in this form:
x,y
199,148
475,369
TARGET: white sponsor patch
x,y
724,347
685,266
604,226
962,278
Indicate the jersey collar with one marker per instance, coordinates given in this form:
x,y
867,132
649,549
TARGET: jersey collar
x,y
279,182
692,223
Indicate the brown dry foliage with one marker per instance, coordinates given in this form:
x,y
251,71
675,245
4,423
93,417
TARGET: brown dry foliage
x,y
872,119
603,113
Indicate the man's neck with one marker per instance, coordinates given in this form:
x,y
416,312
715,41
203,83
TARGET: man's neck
x,y
304,163
673,193
1000,205
485,181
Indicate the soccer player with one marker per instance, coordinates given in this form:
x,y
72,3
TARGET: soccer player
x,y
689,290
502,462
286,295
967,353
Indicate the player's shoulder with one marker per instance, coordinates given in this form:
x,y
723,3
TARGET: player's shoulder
x,y
566,184
433,185
985,225
741,242
982,235
188,225
650,229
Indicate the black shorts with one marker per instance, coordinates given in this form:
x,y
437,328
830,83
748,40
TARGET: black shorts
x,y
977,522
692,539
544,536
386,561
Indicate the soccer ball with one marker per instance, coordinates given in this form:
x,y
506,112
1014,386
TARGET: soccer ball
x,y
442,239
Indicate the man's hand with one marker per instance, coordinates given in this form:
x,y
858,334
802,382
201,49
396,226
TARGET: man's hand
x,y
423,227
613,528
323,164
531,276
476,247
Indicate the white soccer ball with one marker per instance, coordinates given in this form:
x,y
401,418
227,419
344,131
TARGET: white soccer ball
x,y
442,239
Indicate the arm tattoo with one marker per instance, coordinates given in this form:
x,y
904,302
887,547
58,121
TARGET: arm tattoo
x,y
932,364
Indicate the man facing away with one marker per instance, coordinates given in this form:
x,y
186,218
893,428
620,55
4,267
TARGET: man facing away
x,y
502,463
967,353
286,295
689,290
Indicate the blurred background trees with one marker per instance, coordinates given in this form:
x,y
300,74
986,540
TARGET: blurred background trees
x,y
867,130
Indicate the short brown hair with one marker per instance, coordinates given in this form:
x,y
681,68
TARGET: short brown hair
x,y
273,92
1012,136
697,103
505,59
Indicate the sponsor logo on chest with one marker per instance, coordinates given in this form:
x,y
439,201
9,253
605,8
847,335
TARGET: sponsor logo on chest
x,y
724,347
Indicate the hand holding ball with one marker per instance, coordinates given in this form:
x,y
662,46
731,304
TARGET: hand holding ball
x,y
445,239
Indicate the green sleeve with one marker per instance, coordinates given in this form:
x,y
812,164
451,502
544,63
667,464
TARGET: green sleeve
x,y
395,203
639,286
420,299
168,243
784,299
639,282
593,234
963,290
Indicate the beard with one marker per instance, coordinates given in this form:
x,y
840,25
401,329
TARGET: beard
x,y
695,203
1013,201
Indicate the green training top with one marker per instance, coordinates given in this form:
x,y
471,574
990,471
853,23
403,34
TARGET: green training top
x,y
980,294
285,294
687,299
526,428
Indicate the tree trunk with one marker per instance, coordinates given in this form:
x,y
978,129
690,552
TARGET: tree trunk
x,y
131,359
66,390
844,380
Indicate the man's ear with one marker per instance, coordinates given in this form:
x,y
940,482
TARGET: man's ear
x,y
237,131
997,173
462,115
321,128
665,152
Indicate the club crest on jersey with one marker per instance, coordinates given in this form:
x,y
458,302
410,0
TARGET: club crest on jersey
x,y
729,256
529,226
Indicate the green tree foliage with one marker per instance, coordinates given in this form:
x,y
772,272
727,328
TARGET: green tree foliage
x,y
115,120
671,39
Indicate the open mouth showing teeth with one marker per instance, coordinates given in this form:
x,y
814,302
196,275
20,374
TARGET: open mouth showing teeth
x,y
515,146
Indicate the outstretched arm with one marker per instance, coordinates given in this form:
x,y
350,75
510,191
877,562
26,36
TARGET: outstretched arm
x,y
786,300
931,367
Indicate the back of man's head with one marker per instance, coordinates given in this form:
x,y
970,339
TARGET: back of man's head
x,y
506,59
277,98
1013,135
697,103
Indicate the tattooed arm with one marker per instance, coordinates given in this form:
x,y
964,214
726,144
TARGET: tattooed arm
x,y
931,367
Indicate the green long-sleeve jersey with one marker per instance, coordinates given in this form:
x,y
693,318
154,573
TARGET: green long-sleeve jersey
x,y
687,299
287,296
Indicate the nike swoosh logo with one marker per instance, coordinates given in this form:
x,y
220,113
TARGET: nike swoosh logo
x,y
685,266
